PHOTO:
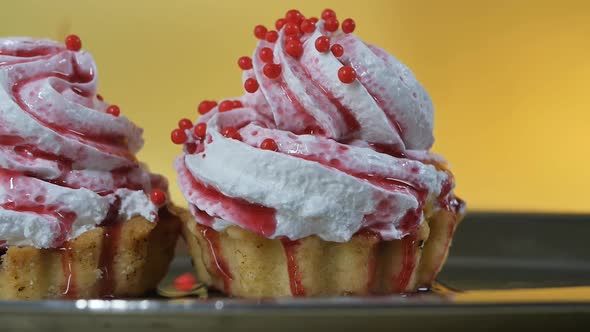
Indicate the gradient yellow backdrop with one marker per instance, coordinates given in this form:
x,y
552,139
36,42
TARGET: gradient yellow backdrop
x,y
509,79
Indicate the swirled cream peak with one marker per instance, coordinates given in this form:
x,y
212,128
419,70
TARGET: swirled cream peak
x,y
330,138
67,158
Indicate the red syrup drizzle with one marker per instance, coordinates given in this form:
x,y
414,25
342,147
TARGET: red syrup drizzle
x,y
402,280
257,218
372,262
69,287
110,239
295,281
217,261
351,122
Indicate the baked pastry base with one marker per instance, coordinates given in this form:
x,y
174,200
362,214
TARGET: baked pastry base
x,y
244,264
124,259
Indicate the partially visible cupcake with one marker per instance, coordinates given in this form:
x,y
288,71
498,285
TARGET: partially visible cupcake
x,y
80,217
319,180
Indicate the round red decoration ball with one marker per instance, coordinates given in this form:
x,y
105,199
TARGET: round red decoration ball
x,y
200,130
337,50
226,105
245,63
205,106
272,36
260,31
331,24
269,144
291,29
158,197
294,48
113,110
328,13
185,124
271,70
178,136
280,23
307,26
348,25
347,74
73,43
265,54
322,44
251,85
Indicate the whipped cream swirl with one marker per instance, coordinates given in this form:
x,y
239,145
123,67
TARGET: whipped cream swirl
x,y
66,165
348,157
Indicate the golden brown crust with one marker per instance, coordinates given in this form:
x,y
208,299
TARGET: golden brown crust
x,y
245,264
136,253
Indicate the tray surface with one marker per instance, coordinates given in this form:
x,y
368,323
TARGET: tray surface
x,y
504,271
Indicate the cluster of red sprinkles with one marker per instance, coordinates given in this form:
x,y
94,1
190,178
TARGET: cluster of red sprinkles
x,y
294,27
74,43
157,196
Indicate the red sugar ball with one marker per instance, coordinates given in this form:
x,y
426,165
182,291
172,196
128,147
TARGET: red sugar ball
x,y
269,144
337,50
271,70
178,136
322,44
245,63
348,25
265,54
113,110
185,124
331,24
346,74
260,31
200,130
158,197
73,43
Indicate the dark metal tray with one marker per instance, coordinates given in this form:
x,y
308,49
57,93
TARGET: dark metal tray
x,y
506,271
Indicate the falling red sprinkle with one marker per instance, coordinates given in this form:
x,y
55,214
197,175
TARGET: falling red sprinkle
x,y
113,110
231,132
158,197
251,85
322,44
269,144
272,36
293,16
245,63
260,31
337,50
185,282
73,43
271,70
200,130
99,97
346,74
280,23
178,136
226,105
291,29
290,38
185,124
265,54
331,24
294,48
348,25
327,13
205,106
307,26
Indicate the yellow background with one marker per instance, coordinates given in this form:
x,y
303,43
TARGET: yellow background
x,y
509,79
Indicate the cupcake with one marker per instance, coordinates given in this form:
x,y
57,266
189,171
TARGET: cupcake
x,y
318,181
80,217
